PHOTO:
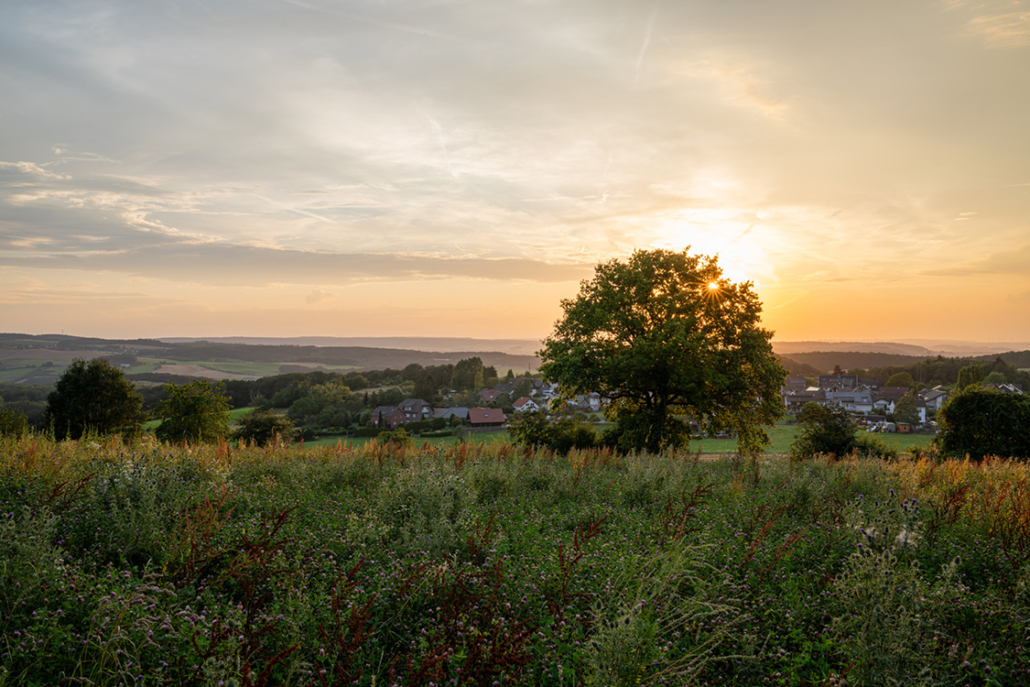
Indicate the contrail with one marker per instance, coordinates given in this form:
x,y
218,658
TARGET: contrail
x,y
644,47
742,235
306,213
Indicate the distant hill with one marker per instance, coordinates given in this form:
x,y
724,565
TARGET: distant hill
x,y
40,359
792,348
411,343
916,347
825,361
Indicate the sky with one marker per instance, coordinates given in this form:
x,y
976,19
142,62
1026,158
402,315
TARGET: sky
x,y
455,168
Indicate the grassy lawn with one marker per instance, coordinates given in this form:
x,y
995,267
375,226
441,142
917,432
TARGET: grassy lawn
x,y
234,415
782,437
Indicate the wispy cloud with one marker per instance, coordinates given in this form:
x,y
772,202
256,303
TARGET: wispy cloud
x,y
1007,30
32,169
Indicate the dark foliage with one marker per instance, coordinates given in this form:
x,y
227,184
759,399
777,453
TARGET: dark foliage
x,y
263,427
94,397
982,422
832,431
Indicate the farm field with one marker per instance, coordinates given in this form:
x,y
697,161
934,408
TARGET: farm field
x,y
476,564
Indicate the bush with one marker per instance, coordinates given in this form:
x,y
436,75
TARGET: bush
x,y
263,427
534,430
13,423
831,431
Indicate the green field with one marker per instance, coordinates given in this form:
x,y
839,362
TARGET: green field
x,y
783,435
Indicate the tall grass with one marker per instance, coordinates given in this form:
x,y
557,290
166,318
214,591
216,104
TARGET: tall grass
x,y
482,564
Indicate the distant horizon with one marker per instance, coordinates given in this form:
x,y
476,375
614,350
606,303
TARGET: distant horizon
x,y
528,346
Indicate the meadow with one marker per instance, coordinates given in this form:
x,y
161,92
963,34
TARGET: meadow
x,y
482,564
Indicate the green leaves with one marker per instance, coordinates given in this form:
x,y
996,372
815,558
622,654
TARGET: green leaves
x,y
981,422
94,397
662,335
194,412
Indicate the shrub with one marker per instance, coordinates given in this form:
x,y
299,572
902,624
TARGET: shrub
x,y
13,423
831,431
534,430
263,427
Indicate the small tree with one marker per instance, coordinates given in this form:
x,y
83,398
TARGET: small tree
x,y
901,379
94,397
194,412
906,410
968,376
468,374
263,427
831,431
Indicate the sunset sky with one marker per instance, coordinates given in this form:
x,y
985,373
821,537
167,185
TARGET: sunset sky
x,y
454,168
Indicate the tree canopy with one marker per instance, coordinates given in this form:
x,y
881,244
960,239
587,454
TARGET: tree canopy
x,y
194,412
94,397
982,422
664,335
901,379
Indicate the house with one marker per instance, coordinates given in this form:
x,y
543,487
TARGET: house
x,y
934,398
838,381
448,413
486,417
796,400
545,389
525,404
854,398
1005,388
387,416
415,409
489,395
794,384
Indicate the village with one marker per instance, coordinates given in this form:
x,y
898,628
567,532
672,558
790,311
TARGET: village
x,y
877,407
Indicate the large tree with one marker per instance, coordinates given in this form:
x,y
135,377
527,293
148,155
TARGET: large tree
x,y
468,374
982,422
197,411
664,336
94,397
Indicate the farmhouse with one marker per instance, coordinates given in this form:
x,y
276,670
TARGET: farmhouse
x,y
525,404
486,417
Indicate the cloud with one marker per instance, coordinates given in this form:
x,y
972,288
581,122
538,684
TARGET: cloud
x,y
1007,30
32,169
318,296
1013,261
244,265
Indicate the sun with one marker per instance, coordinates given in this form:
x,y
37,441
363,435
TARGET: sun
x,y
713,286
